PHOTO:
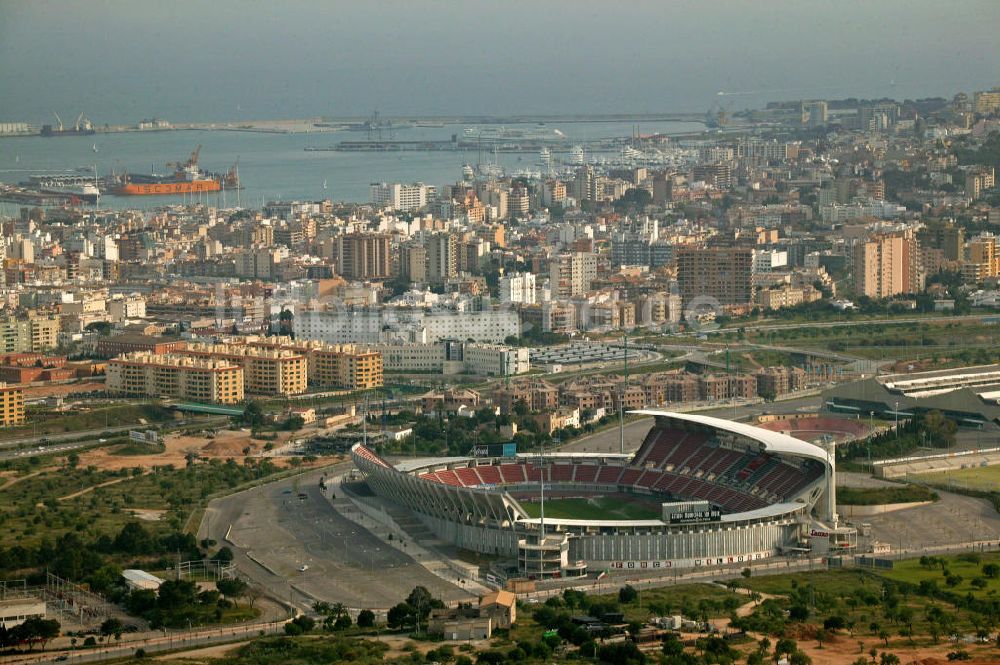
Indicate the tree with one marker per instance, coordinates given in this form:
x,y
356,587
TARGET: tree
x,y
224,555
799,658
400,614
784,647
111,627
627,594
231,588
253,415
834,623
991,570
366,619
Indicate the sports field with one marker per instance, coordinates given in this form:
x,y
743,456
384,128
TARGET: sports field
x,y
983,478
595,508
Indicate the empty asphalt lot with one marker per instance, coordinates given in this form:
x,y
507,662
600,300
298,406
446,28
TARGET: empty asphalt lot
x,y
274,533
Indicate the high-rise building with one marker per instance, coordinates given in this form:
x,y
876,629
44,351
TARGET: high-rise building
x,y
718,175
722,273
887,264
518,287
519,202
571,273
442,257
977,179
399,196
363,256
983,260
814,113
413,262
987,101
630,249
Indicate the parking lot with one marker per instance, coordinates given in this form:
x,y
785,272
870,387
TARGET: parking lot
x,y
283,527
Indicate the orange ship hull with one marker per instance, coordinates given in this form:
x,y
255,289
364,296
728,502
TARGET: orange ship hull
x,y
167,188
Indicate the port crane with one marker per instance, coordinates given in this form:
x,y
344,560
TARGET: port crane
x,y
192,160
59,120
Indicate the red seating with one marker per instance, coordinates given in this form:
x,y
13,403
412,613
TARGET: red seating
x,y
647,479
512,473
468,477
561,473
609,475
448,477
586,473
628,477
490,475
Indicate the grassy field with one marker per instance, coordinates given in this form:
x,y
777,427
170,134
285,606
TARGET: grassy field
x,y
692,600
875,496
45,421
981,478
596,508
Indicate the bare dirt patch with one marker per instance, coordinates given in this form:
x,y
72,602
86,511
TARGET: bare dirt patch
x,y
226,444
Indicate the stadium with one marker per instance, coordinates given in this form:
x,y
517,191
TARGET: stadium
x,y
699,491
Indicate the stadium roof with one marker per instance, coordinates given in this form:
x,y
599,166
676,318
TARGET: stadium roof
x,y
773,441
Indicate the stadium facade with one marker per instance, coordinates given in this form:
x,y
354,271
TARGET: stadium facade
x,y
729,494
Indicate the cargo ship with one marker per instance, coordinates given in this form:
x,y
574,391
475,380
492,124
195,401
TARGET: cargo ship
x,y
187,178
82,127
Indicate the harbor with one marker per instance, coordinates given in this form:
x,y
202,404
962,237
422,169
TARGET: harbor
x,y
277,165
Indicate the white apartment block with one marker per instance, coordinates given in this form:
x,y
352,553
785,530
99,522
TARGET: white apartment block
x,y
408,325
455,358
767,260
518,287
122,308
399,196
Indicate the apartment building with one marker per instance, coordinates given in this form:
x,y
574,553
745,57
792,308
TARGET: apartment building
x,y
122,308
11,405
363,256
979,179
399,196
887,264
28,335
722,273
265,371
983,259
208,380
571,273
109,347
442,257
518,287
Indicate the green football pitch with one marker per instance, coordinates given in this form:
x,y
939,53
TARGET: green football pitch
x,y
594,508
983,478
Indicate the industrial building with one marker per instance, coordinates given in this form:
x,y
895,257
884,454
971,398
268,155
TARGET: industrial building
x,y
968,395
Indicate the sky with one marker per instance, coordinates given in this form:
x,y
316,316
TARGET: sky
x,y
198,60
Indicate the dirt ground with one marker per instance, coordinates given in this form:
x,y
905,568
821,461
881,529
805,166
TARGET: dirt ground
x,y
198,655
226,444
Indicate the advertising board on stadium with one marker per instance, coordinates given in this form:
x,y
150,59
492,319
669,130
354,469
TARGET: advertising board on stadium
x,y
693,516
683,563
495,450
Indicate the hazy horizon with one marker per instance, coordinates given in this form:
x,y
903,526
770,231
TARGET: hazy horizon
x,y
120,61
